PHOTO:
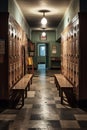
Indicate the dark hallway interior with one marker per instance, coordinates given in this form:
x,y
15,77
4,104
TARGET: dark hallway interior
x,y
43,65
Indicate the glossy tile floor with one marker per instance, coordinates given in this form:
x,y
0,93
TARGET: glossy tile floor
x,y
43,110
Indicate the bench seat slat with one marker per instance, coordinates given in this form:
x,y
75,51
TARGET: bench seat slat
x,y
63,82
23,82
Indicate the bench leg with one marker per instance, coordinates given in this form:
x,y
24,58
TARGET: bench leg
x,y
28,87
59,91
55,81
61,95
31,80
68,93
22,96
26,92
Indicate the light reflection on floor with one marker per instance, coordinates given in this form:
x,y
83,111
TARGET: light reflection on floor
x,y
43,110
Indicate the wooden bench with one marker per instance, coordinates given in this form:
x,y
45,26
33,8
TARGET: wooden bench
x,y
64,86
22,86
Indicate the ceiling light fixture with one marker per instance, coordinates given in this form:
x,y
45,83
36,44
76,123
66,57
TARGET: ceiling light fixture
x,y
43,34
44,20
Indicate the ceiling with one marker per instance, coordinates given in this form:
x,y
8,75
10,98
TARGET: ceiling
x,y
32,11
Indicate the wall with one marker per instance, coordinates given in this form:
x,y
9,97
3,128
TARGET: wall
x,y
51,40
15,11
3,5
72,10
83,5
12,7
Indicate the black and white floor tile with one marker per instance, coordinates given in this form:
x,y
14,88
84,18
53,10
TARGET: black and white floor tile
x,y
43,111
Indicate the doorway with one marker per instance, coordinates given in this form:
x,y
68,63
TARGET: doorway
x,y
42,56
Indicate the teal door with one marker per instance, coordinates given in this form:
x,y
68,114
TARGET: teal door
x,y
42,54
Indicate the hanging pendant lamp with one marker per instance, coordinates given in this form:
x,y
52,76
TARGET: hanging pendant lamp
x,y
44,20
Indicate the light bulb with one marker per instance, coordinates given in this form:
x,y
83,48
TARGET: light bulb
x,y
43,34
44,21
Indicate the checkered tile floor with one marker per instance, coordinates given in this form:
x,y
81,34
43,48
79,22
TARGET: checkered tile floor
x,y
43,110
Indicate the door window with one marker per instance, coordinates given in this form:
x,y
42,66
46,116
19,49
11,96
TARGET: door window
x,y
42,50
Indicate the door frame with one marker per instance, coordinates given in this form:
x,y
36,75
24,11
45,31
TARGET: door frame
x,y
47,53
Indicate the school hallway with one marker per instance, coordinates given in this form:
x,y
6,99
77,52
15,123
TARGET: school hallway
x,y
43,110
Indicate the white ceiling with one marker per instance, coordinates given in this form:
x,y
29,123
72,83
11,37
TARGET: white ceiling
x,y
31,10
